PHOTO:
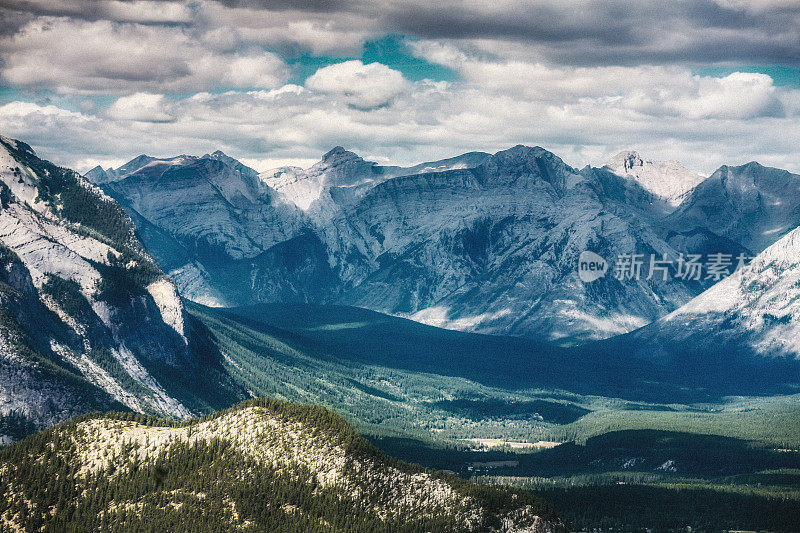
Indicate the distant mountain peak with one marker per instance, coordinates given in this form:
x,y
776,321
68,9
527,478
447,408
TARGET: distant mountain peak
x,y
338,155
335,150
232,162
139,159
218,154
667,180
524,149
627,159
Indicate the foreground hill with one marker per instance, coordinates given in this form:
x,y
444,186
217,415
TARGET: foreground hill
x,y
87,319
263,465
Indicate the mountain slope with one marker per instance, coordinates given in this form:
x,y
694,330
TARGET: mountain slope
x,y
89,319
743,330
211,226
757,308
751,206
263,465
477,242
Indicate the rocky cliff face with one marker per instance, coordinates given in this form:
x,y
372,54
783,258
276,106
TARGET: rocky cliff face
x,y
89,320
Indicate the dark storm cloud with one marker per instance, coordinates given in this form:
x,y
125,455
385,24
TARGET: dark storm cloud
x,y
312,6
20,11
580,32
542,25
621,33
11,20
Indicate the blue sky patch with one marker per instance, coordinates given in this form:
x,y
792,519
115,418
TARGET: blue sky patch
x,y
391,50
782,76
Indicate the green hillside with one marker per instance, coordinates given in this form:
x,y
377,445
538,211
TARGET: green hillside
x,y
263,465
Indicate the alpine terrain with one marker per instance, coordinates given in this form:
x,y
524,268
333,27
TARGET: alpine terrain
x,y
738,208
751,316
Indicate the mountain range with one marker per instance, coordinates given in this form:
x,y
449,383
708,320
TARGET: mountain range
x,y
484,243
479,242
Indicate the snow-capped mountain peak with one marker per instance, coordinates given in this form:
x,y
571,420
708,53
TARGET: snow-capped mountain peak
x,y
219,155
338,168
749,321
668,180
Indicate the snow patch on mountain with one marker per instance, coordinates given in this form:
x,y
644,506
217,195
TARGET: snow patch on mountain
x,y
294,185
439,316
191,280
605,326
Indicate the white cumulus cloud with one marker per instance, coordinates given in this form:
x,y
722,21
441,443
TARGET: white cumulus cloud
x,y
142,107
740,95
360,85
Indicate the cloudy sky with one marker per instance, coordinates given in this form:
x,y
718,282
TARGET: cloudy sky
x,y
707,82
